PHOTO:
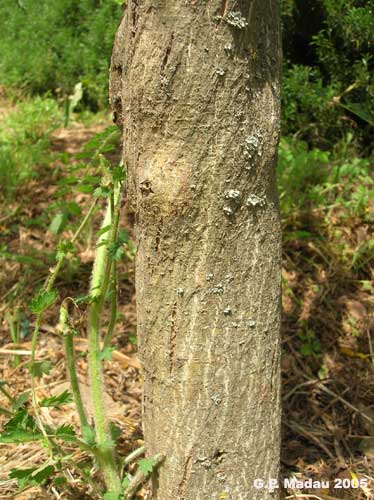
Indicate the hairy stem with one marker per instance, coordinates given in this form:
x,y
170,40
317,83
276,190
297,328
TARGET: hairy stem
x,y
68,337
99,284
113,307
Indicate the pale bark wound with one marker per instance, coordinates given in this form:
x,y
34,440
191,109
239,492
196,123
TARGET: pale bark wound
x,y
196,85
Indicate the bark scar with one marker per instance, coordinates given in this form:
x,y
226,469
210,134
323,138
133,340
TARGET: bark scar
x,y
167,53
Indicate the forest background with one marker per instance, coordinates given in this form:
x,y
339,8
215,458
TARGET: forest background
x,y
54,63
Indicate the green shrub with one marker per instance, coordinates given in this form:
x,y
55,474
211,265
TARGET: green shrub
x,y
328,84
312,179
24,141
50,46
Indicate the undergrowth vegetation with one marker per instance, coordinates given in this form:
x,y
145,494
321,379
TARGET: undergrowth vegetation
x,y
25,141
93,175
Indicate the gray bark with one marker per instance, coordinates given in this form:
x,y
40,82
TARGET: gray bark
x,y
196,86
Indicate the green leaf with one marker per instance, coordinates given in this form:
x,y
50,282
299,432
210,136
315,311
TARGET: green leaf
x,y
23,476
66,433
91,179
107,445
21,400
118,173
103,230
19,436
126,482
58,223
115,431
65,247
123,236
56,401
42,301
60,481
32,476
361,110
21,428
106,353
133,339
146,465
89,435
115,249
85,188
366,285
39,368
101,192
73,208
306,350
20,421
65,430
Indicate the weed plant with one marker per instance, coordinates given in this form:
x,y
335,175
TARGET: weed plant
x,y
25,421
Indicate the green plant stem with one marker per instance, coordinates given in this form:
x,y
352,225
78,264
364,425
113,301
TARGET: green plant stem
x,y
68,337
113,307
84,221
111,271
70,364
99,284
115,212
47,288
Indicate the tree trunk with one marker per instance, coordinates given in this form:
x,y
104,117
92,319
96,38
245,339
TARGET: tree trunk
x,y
196,86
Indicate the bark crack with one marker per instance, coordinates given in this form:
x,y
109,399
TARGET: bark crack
x,y
134,16
186,475
167,53
173,336
224,8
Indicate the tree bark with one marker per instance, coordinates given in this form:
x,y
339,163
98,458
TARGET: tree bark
x,y
195,85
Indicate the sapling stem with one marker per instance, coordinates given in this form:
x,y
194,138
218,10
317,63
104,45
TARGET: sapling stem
x,y
68,338
99,284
